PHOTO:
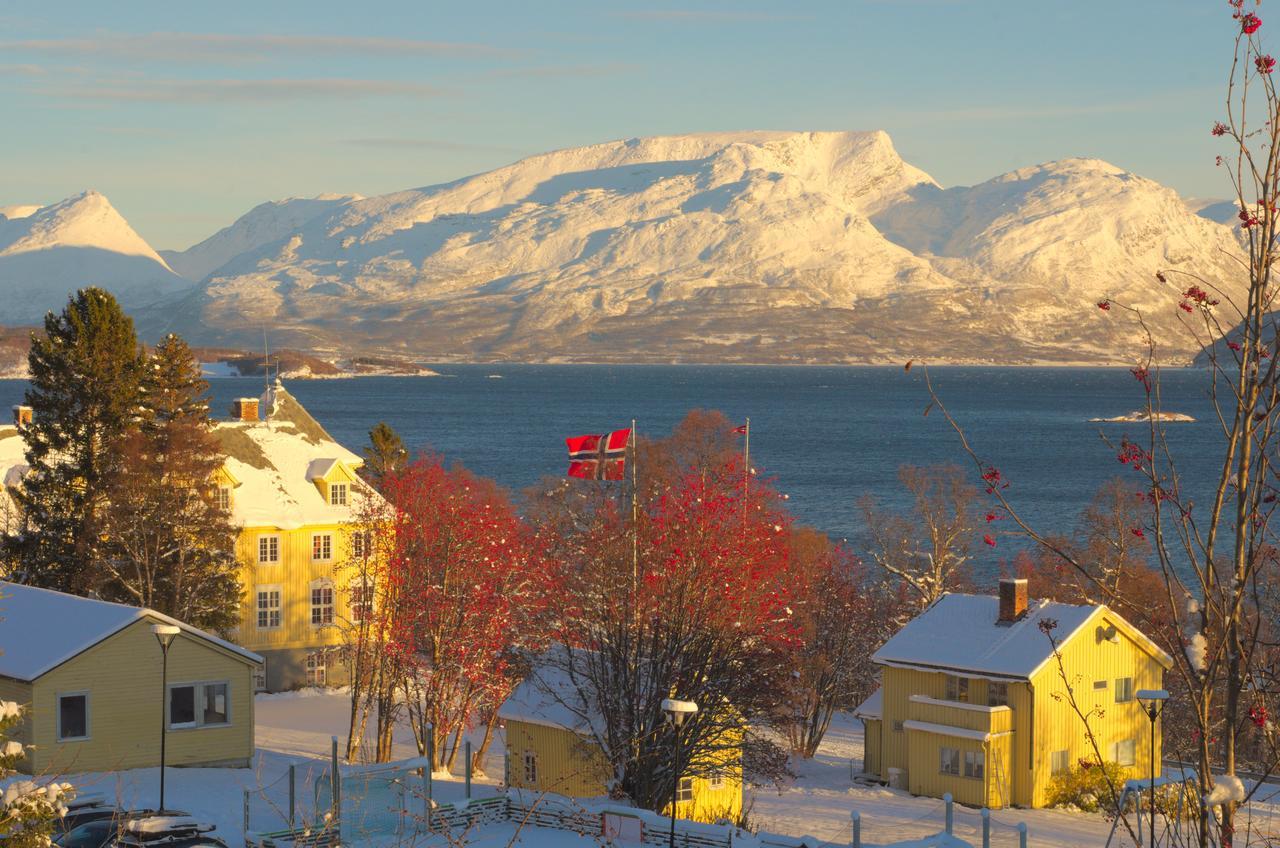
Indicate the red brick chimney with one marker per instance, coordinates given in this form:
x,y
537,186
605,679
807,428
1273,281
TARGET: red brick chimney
x,y
21,416
245,409
1013,600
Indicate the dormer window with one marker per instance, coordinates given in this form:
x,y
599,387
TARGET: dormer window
x,y
337,494
224,498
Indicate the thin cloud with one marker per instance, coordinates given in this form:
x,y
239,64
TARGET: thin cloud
x,y
190,46
23,70
244,91
707,16
391,143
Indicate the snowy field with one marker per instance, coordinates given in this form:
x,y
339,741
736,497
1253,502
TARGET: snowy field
x,y
295,728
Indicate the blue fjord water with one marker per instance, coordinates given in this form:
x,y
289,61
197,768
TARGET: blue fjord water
x,y
828,435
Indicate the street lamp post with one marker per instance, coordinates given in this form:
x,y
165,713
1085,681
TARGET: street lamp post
x,y
1152,701
677,712
165,634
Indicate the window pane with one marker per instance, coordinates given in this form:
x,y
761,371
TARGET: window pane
x,y
215,704
182,705
73,716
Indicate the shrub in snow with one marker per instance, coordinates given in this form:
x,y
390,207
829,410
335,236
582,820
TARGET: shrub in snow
x,y
27,808
1226,788
1085,788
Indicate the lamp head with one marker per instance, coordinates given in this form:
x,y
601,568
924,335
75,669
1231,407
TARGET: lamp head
x,y
165,633
1153,699
677,711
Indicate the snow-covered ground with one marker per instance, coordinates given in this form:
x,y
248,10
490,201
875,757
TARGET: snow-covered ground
x,y
296,728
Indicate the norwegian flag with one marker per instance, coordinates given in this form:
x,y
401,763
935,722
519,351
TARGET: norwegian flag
x,y
599,456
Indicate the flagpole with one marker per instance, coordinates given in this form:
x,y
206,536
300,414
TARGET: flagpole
x,y
635,544
746,472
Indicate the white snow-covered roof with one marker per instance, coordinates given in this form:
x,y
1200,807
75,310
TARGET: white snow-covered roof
x,y
549,698
40,629
960,633
277,461
873,707
274,462
948,730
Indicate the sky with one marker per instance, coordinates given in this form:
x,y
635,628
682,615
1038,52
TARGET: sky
x,y
186,115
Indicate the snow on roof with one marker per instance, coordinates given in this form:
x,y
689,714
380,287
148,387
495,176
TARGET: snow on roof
x,y
960,633
273,463
873,707
549,698
277,462
40,629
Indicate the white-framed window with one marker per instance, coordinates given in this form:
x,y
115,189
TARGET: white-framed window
x,y
957,688
337,494
1124,752
268,549
205,704
1124,690
975,763
1100,685
268,607
949,760
317,668
361,543
997,694
1059,762
260,677
224,498
321,547
716,780
684,792
73,716
530,769
321,603
360,600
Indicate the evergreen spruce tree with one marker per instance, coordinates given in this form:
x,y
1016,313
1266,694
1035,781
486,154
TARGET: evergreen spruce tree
x,y
84,389
170,540
386,453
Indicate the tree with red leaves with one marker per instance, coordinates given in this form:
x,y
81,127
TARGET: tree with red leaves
x,y
460,587
692,600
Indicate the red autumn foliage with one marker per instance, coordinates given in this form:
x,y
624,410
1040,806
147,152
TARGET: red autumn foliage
x,y
462,585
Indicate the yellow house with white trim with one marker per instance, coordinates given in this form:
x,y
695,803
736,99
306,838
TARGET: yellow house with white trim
x,y
88,674
551,749
294,492
973,700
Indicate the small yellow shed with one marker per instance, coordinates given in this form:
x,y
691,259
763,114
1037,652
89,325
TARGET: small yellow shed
x,y
551,748
89,674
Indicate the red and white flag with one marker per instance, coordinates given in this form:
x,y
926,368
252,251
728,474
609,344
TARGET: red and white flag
x,y
741,431
599,456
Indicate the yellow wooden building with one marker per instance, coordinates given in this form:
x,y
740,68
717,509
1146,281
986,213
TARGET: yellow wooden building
x,y
294,493
88,673
550,748
972,700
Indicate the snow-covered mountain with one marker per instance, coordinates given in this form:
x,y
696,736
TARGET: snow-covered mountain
x,y
48,252
730,247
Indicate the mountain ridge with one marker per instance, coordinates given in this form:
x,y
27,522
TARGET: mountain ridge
x,y
762,246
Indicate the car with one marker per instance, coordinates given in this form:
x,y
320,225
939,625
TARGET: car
x,y
166,830
84,808
103,827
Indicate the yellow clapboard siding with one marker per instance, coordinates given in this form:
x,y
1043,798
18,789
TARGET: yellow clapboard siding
x,y
567,763
871,746
294,574
1089,658
122,675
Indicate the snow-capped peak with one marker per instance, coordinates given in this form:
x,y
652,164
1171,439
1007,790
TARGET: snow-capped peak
x,y
84,220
